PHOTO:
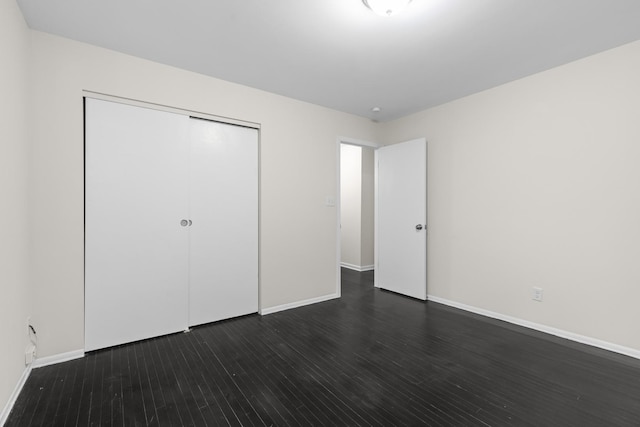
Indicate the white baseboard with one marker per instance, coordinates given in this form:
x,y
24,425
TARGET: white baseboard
x,y
360,268
38,363
4,415
627,351
57,358
271,310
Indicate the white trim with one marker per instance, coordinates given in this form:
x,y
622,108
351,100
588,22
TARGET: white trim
x,y
160,107
358,142
376,264
271,310
338,219
605,345
360,268
4,415
57,358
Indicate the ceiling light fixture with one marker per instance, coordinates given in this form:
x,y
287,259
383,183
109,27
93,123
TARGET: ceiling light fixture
x,y
386,7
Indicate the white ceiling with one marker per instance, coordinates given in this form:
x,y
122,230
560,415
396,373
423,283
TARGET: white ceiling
x,y
339,54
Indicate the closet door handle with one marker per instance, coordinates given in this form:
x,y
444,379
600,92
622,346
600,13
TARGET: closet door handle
x,y
190,222
184,223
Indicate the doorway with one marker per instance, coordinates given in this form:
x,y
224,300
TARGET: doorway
x,y
357,265
399,214
357,207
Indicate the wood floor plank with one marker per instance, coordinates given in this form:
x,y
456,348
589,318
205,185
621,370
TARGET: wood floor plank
x,y
245,376
370,358
143,389
280,392
38,395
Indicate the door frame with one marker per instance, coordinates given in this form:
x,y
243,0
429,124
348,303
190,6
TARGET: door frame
x,y
367,144
359,143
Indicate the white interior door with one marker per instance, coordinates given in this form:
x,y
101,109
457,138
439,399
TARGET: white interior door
x,y
401,217
224,213
135,249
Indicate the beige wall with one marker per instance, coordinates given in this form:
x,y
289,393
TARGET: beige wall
x,y
298,171
14,287
537,183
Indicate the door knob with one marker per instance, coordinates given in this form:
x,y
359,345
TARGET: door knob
x,y
184,222
419,227
190,222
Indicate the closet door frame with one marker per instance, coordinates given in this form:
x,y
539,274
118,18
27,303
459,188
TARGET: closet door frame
x,y
193,114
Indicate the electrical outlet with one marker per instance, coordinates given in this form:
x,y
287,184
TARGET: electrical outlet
x,y
537,294
29,355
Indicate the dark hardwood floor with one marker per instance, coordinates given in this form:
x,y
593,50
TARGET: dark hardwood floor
x,y
369,358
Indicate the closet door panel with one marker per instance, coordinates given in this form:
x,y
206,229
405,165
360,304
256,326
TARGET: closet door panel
x,y
224,210
136,265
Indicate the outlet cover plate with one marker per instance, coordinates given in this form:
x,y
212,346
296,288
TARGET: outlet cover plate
x,y
537,294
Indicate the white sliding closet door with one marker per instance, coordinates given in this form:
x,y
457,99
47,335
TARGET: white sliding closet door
x,y
136,262
171,222
223,207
